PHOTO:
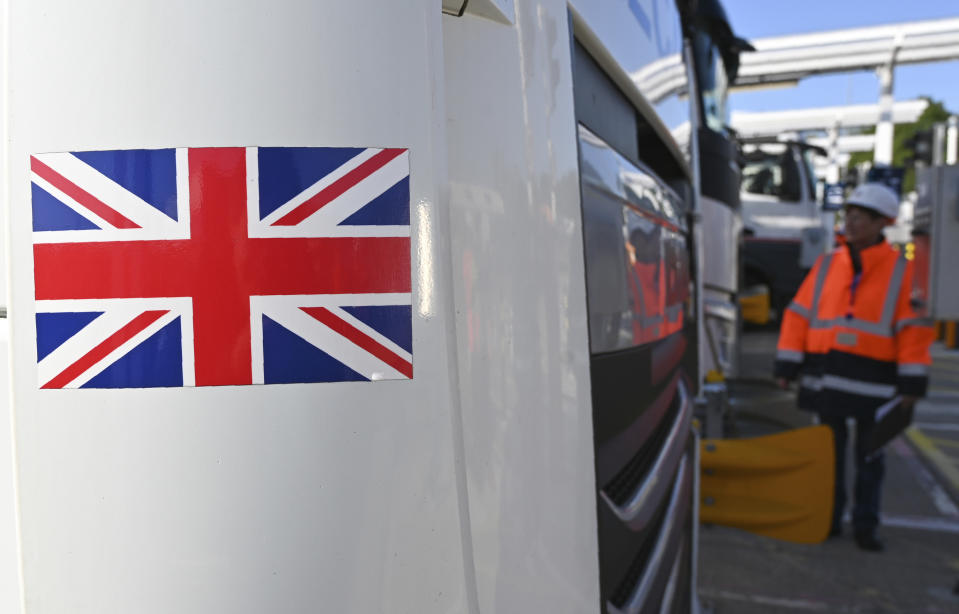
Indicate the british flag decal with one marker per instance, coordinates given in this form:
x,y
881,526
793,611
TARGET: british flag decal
x,y
221,266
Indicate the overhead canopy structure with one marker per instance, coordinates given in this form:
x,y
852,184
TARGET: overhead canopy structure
x,y
829,120
784,59
787,59
847,143
773,123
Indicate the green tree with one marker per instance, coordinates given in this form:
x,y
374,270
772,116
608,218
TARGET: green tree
x,y
933,114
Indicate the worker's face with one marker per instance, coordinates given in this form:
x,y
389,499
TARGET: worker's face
x,y
862,229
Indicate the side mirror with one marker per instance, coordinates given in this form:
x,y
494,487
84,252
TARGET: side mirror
x,y
833,196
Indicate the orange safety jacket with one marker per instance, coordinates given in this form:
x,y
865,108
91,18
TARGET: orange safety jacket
x,y
854,346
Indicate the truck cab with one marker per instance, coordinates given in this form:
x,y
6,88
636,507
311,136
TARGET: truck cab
x,y
783,224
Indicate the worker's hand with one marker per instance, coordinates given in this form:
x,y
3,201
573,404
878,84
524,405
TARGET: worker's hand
x,y
909,402
783,383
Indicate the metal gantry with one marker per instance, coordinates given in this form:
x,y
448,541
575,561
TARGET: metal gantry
x,y
832,121
788,59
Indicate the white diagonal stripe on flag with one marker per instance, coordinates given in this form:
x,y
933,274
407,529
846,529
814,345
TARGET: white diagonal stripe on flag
x,y
361,194
371,332
338,347
116,314
122,350
270,305
316,188
88,338
111,193
70,202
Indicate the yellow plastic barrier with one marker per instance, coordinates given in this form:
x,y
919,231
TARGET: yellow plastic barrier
x,y
755,306
778,485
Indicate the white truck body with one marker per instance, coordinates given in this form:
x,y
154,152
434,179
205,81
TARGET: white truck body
x,y
470,487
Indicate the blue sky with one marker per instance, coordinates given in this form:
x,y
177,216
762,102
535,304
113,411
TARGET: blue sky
x,y
761,18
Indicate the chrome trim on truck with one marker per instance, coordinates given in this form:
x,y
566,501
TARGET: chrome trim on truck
x,y
671,523
643,503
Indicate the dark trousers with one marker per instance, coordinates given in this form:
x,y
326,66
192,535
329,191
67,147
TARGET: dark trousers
x,y
869,473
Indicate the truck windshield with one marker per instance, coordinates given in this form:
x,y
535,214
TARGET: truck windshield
x,y
771,170
713,83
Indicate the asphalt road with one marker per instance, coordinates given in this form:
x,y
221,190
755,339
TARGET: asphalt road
x,y
740,573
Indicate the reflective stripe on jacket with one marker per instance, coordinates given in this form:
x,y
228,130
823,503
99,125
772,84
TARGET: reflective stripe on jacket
x,y
853,351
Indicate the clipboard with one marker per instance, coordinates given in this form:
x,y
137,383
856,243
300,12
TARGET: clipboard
x,y
892,418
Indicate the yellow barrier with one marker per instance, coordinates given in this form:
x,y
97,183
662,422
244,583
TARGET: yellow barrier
x,y
755,307
778,485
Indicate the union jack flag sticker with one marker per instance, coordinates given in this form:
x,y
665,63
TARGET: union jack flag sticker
x,y
221,266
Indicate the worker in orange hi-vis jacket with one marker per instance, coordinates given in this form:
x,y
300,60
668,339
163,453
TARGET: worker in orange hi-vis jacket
x,y
853,340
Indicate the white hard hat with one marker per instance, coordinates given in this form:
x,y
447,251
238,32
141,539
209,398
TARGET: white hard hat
x,y
875,196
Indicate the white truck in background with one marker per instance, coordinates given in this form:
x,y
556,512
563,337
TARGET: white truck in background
x,y
783,219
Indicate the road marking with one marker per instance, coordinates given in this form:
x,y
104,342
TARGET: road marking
x,y
922,523
944,443
926,479
936,426
934,455
947,395
795,604
937,410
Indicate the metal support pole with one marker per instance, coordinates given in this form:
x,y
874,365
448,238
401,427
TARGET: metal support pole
x,y
833,176
832,173
882,154
952,140
938,144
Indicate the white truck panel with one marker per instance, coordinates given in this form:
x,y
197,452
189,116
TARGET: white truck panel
x,y
722,244
293,498
9,556
517,259
721,283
